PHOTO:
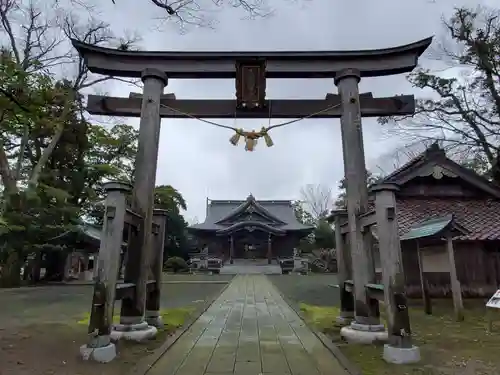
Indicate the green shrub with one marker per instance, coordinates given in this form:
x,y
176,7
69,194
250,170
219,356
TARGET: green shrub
x,y
175,264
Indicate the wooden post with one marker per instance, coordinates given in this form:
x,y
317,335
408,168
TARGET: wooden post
x,y
490,316
269,249
398,320
423,283
153,316
101,316
455,283
343,274
357,192
136,269
231,249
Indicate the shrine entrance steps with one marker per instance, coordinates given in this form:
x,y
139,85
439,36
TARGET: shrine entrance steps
x,y
248,330
251,267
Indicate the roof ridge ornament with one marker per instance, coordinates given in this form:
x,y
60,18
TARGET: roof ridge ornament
x,y
435,150
249,206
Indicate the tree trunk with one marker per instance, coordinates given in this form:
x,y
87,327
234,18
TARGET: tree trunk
x,y
11,271
22,149
44,158
8,179
37,265
54,265
495,170
28,271
37,171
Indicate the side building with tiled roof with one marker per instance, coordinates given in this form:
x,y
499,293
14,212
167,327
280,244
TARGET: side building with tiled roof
x,y
81,258
434,186
250,229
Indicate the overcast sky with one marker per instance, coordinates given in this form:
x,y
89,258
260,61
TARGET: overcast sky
x,y
198,160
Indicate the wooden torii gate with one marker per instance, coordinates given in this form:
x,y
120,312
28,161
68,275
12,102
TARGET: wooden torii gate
x,y
250,71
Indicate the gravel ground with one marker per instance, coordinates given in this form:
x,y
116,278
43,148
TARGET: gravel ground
x,y
40,333
313,289
66,303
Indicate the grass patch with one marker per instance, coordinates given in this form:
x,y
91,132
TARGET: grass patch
x,y
172,318
321,317
447,347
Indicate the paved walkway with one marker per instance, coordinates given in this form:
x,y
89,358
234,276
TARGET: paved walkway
x,y
249,267
248,330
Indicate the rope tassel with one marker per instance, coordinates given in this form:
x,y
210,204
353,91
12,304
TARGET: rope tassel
x,y
235,139
267,137
250,144
249,137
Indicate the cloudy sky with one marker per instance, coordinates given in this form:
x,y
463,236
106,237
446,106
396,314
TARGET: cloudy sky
x,y
198,160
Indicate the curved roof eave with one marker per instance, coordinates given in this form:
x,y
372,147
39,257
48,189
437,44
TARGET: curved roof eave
x,y
196,229
257,224
189,64
307,228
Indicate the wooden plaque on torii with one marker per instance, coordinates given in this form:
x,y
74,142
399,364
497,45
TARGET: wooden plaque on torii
x,y
250,84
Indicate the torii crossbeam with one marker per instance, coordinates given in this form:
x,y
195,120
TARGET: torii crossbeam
x,y
280,108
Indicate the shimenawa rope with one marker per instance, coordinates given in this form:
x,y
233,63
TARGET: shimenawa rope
x,y
251,137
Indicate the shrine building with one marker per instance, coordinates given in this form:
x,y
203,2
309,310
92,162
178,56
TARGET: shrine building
x,y
250,229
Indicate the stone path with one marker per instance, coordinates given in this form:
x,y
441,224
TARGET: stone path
x,y
249,266
248,330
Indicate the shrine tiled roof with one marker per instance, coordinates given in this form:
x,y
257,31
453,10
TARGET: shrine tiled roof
x,y
480,217
282,210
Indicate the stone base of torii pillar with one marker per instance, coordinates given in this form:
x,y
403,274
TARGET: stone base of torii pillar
x,y
345,318
153,318
133,332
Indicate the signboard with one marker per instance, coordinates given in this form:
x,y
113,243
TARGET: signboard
x,y
494,301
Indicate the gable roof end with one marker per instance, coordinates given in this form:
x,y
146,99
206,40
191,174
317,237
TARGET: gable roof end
x,y
435,155
250,201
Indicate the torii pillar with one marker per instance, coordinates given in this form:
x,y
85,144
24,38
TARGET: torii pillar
x,y
366,317
132,315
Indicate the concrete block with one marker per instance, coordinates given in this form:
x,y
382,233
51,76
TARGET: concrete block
x,y
367,337
401,356
103,354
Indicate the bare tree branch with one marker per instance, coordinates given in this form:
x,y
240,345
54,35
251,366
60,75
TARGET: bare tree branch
x,y
6,8
464,109
38,41
199,12
60,122
317,199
